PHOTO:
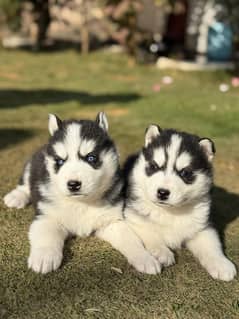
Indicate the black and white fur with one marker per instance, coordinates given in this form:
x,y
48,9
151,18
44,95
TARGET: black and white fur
x,y
73,182
167,199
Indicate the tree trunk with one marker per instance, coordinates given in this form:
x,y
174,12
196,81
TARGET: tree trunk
x,y
41,8
85,36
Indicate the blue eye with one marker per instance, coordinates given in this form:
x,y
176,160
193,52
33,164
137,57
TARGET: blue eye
x,y
91,158
59,161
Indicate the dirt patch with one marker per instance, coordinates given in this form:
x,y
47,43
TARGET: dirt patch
x,y
116,112
9,76
125,78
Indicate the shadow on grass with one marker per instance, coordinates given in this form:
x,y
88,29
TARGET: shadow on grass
x,y
59,45
13,136
225,209
11,98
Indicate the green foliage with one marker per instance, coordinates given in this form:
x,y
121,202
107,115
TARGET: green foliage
x,y
233,12
9,10
123,14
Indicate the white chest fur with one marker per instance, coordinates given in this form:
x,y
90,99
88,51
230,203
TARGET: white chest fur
x,y
171,228
80,218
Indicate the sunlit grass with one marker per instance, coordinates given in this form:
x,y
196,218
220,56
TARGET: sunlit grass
x,y
70,85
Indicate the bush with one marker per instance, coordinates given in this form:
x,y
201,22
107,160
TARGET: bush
x,y
9,12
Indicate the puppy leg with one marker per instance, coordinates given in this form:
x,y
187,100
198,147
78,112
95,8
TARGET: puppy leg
x,y
164,255
122,238
154,244
46,245
17,198
20,196
207,248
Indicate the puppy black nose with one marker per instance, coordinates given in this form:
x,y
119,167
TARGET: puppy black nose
x,y
74,186
163,193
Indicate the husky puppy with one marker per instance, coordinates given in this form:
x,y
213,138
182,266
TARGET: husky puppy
x,y
167,199
73,182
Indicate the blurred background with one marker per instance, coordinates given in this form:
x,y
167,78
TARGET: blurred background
x,y
173,63
146,29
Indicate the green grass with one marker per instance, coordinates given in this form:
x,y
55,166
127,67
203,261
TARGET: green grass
x,y
31,86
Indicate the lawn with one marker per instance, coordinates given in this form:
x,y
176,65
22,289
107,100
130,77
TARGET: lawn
x,y
88,285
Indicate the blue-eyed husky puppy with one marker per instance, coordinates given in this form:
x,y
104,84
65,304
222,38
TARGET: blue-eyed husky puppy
x,y
73,183
167,199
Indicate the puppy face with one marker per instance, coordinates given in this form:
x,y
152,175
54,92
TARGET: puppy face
x,y
81,158
174,168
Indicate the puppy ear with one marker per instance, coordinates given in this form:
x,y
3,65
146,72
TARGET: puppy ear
x,y
54,123
208,147
102,121
151,132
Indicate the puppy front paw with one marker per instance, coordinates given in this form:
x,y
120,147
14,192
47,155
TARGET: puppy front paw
x,y
222,269
165,256
44,260
146,263
16,199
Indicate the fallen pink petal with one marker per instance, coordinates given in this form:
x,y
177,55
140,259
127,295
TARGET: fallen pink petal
x,y
235,82
156,87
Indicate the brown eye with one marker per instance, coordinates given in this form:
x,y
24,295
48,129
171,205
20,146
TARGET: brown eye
x,y
153,166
